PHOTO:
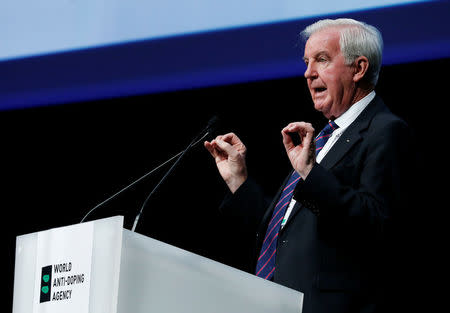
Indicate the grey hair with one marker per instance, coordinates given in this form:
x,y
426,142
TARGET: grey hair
x,y
356,39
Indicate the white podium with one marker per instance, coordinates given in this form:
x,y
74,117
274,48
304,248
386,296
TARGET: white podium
x,y
101,267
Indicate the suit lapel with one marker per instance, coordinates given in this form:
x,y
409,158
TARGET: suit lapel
x,y
352,134
350,137
347,140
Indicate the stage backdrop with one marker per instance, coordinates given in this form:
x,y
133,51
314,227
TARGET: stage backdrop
x,y
55,52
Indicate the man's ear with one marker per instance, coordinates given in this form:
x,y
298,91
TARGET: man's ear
x,y
361,67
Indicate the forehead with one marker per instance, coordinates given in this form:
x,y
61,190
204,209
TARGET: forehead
x,y
326,40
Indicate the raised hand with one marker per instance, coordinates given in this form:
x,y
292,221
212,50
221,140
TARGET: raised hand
x,y
302,156
229,153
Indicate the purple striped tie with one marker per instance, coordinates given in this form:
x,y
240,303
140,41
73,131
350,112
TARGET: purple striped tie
x,y
324,135
266,262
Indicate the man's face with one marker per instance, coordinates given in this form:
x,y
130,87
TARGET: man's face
x,y
330,80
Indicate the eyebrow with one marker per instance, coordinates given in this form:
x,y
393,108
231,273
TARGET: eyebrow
x,y
318,54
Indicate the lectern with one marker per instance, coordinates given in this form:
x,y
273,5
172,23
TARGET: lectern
x,y
99,266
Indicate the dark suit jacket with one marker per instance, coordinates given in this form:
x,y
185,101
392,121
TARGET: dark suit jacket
x,y
335,245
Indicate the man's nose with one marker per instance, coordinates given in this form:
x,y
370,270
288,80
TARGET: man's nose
x,y
310,71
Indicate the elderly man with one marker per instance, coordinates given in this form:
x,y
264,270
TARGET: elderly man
x,y
327,231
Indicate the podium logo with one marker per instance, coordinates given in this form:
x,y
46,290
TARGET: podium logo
x,y
46,280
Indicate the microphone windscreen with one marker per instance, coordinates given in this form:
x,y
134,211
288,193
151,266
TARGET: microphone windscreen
x,y
213,123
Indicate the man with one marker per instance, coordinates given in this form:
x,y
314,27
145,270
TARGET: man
x,y
327,231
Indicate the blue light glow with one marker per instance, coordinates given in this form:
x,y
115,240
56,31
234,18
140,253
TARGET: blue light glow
x,y
29,28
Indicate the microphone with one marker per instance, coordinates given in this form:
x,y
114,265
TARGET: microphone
x,y
212,125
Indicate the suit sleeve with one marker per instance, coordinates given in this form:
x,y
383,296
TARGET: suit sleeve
x,y
240,215
246,206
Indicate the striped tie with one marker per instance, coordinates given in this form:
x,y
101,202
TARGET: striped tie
x,y
324,135
266,262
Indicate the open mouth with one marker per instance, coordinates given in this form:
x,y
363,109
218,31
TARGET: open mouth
x,y
320,89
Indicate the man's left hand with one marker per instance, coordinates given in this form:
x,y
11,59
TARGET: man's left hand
x,y
302,156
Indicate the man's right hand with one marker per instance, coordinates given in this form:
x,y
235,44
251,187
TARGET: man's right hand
x,y
229,153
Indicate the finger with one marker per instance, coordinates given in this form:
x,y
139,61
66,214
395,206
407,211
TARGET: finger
x,y
287,140
298,127
211,148
227,148
236,142
231,138
214,147
308,137
288,128
308,128
295,127
208,145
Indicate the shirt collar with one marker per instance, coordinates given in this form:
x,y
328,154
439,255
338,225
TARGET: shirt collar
x,y
352,113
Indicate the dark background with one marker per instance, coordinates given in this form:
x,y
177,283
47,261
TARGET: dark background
x,y
60,161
